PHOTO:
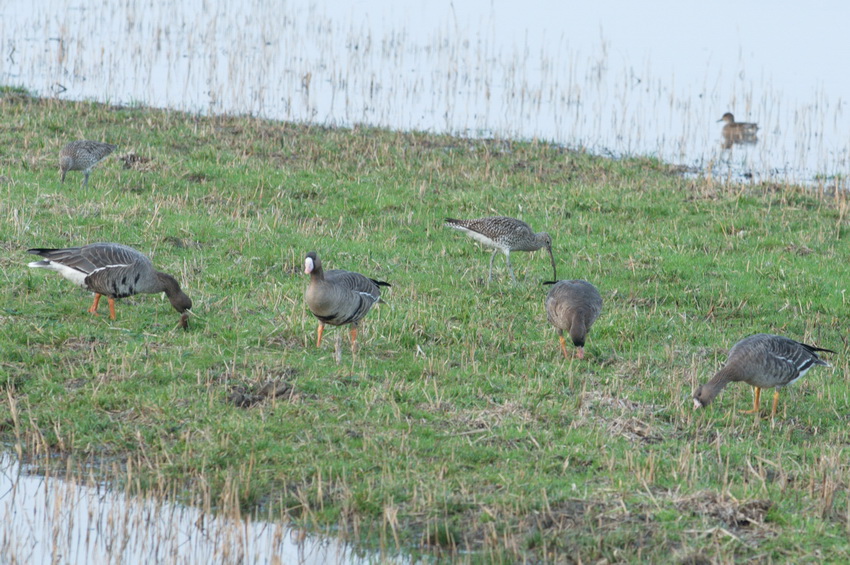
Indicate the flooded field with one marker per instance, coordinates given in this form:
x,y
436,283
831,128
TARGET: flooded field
x,y
75,520
612,77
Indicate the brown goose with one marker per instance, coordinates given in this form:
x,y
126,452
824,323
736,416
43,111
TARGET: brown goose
x,y
115,271
338,297
83,155
504,234
573,306
762,361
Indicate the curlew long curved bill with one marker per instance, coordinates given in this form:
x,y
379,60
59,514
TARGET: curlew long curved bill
x,y
552,257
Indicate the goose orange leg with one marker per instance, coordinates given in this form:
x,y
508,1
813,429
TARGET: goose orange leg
x,y
564,346
319,339
93,309
111,308
775,402
755,409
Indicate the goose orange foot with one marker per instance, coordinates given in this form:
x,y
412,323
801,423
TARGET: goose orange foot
x,y
93,309
755,409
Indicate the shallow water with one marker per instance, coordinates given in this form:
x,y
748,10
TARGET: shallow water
x,y
614,77
50,520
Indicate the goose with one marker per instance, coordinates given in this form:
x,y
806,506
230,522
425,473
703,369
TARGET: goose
x,y
115,271
83,155
504,234
338,297
573,306
762,361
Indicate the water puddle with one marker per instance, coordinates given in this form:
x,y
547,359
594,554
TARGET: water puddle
x,y
614,77
52,520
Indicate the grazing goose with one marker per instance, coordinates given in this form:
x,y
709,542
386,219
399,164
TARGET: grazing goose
x,y
114,271
83,155
573,306
338,297
762,361
504,234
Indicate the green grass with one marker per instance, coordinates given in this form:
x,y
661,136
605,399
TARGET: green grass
x,y
458,429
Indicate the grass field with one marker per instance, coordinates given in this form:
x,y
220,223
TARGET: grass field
x,y
457,430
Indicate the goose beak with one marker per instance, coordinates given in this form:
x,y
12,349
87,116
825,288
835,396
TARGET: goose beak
x,y
697,404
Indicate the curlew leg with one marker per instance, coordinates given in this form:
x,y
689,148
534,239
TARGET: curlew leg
x,y
111,308
775,402
510,269
93,308
564,346
493,256
86,180
320,331
755,409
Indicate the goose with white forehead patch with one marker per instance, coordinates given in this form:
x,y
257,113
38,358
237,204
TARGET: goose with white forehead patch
x,y
338,297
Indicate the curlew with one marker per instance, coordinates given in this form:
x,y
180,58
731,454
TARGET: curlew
x,y
83,155
504,234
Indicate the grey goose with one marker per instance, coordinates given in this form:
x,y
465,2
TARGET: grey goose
x,y
115,271
573,306
762,361
339,297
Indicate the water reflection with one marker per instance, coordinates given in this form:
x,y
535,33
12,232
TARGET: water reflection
x,y
49,520
611,76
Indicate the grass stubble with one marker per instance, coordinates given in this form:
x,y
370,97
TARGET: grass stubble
x,y
457,430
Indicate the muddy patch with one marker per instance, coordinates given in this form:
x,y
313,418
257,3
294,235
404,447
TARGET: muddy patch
x,y
731,512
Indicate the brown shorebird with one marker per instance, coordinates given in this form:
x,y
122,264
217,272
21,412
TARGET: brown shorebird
x,y
505,234
83,155
115,271
762,361
573,306
338,297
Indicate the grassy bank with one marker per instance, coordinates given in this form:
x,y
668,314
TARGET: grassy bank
x,y
458,428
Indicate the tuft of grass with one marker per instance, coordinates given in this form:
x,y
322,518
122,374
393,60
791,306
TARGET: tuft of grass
x,y
457,430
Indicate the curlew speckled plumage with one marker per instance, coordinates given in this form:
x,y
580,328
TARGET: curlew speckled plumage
x,y
115,271
339,297
573,306
504,234
762,361
83,155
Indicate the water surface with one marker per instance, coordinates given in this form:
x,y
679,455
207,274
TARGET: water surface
x,y
50,520
612,76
